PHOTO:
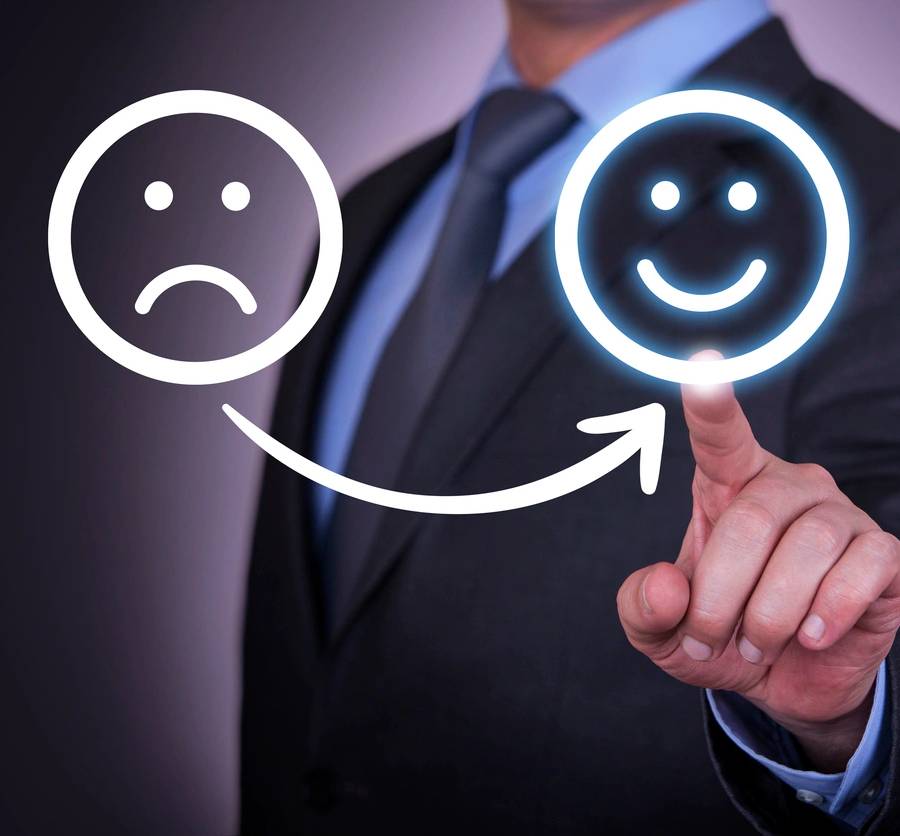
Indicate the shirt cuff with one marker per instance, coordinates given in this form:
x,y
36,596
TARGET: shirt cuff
x,y
851,796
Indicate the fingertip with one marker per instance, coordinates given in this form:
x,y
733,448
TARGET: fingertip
x,y
665,593
707,395
707,355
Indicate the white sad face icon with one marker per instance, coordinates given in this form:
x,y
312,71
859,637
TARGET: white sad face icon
x,y
159,197
742,197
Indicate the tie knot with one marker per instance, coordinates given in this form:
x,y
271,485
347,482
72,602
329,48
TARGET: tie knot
x,y
513,126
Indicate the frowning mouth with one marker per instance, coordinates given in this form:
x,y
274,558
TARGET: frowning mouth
x,y
702,302
195,273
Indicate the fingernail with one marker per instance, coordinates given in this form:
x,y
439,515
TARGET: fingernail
x,y
814,627
698,651
750,651
644,602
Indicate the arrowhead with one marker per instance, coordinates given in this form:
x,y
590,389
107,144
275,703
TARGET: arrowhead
x,y
645,428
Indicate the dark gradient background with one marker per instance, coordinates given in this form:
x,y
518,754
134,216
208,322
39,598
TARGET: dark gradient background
x,y
131,501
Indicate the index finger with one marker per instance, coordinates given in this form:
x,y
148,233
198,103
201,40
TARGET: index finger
x,y
725,449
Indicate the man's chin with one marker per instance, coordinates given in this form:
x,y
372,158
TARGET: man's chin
x,y
574,12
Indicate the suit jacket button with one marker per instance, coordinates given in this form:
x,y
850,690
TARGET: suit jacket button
x,y
320,790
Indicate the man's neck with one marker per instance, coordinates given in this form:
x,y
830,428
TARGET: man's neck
x,y
544,41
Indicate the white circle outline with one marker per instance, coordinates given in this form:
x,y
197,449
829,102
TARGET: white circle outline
x,y
827,185
216,103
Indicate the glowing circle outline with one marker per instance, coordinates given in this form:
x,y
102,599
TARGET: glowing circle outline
x,y
686,103
215,103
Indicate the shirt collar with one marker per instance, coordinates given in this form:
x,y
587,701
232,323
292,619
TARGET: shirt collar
x,y
648,60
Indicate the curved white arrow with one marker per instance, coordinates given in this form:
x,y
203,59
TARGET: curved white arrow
x,y
644,430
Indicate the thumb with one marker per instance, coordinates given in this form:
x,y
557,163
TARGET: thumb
x,y
725,449
651,603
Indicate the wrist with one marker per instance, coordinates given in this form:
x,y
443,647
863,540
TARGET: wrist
x,y
829,744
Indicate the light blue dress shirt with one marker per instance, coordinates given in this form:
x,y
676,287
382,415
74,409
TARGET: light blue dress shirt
x,y
853,795
656,57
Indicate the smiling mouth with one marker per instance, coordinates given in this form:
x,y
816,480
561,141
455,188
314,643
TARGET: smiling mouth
x,y
702,302
195,273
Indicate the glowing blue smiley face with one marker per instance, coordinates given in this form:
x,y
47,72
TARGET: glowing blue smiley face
x,y
666,196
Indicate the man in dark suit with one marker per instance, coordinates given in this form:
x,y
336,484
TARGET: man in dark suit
x,y
422,673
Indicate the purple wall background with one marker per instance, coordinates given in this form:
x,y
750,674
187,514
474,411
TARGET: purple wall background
x,y
121,610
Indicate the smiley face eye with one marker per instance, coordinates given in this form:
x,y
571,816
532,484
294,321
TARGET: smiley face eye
x,y
742,196
158,195
235,196
665,195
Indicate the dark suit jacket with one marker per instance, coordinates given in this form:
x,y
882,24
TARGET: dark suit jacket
x,y
481,681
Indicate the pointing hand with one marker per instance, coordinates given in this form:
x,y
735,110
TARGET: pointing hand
x,y
784,591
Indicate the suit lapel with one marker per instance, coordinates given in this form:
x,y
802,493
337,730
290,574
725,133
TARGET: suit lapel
x,y
369,212
523,318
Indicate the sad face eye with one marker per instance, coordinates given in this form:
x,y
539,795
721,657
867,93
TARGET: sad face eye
x,y
235,196
158,195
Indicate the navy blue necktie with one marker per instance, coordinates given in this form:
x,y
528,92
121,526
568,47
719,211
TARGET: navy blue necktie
x,y
511,127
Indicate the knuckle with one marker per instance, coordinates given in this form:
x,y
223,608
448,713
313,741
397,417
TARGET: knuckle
x,y
750,522
772,486
765,627
817,533
844,595
708,622
879,546
817,475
